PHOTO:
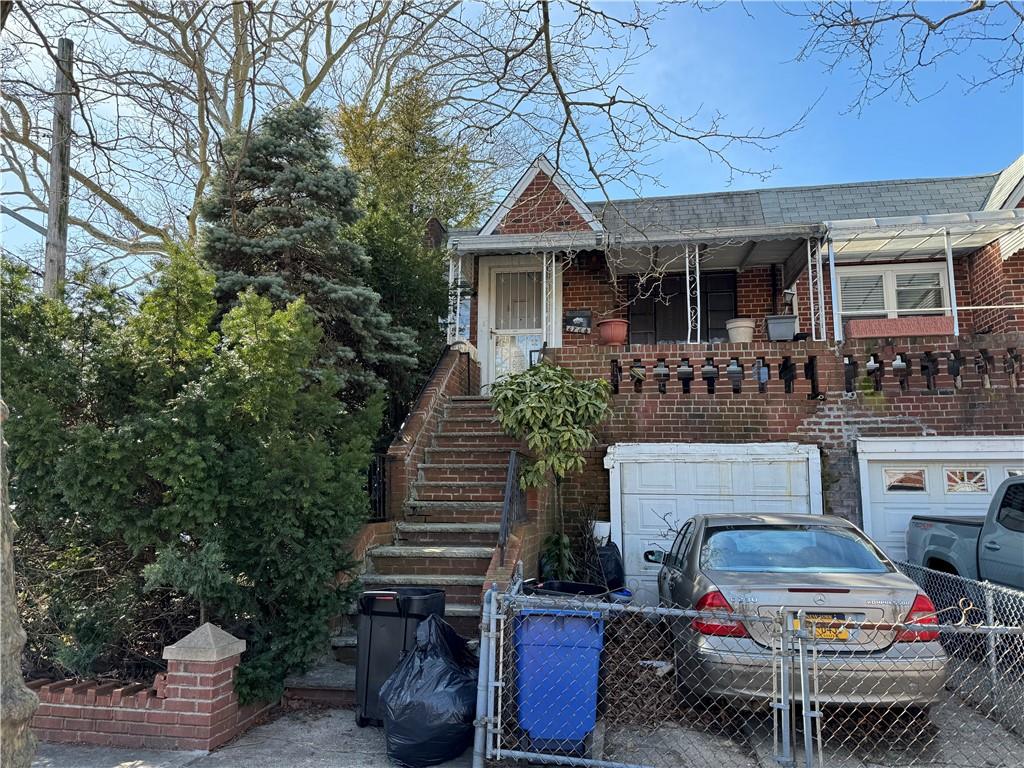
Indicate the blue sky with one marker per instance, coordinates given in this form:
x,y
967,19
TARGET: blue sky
x,y
739,60
743,65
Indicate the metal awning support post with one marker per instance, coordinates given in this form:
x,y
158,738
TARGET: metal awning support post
x,y
453,299
952,282
693,313
822,334
837,323
812,304
543,299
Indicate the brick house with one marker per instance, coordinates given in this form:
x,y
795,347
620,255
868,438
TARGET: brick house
x,y
902,391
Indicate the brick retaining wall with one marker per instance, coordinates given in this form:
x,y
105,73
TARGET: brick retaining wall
x,y
981,402
192,706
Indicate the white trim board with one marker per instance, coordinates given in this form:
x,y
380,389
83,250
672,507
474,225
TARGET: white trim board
x,y
987,447
537,166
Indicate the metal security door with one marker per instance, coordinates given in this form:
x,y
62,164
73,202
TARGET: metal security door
x,y
518,319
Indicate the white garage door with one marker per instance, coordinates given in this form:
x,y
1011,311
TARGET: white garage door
x,y
657,487
939,476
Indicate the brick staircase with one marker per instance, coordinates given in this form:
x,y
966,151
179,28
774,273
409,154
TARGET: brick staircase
x,y
450,526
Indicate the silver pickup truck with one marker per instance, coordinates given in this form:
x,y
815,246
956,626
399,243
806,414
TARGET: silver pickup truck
x,y
989,548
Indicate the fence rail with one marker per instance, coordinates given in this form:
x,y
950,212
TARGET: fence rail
x,y
590,682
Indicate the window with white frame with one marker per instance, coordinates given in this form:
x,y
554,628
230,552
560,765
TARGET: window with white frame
x,y
897,290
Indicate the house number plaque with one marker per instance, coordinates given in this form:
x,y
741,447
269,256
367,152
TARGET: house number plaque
x,y
577,321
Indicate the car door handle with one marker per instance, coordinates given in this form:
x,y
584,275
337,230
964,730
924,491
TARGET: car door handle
x,y
992,545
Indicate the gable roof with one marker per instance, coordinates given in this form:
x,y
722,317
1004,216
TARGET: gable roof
x,y
1008,190
540,165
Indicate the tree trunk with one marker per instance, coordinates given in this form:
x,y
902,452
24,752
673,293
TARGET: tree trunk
x,y
17,703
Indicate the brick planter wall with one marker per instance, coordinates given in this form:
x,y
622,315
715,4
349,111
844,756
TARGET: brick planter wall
x,y
192,706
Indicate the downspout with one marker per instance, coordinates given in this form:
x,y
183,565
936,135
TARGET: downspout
x,y
837,324
952,283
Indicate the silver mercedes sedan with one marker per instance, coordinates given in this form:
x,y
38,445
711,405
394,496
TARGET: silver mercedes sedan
x,y
746,568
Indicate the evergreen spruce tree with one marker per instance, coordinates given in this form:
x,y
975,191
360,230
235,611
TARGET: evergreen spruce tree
x,y
278,214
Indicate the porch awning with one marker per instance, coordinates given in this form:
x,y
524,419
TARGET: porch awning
x,y
899,238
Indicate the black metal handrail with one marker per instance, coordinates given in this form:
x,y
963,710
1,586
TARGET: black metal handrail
x,y
377,488
513,508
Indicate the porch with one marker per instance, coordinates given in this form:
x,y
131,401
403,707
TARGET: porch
x,y
923,276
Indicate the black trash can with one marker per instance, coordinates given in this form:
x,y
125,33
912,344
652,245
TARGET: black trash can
x,y
387,627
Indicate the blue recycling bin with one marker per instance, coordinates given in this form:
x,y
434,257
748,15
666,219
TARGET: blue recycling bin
x,y
558,654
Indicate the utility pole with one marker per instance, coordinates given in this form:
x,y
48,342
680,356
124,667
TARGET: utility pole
x,y
60,160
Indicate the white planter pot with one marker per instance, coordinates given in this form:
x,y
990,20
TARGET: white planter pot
x,y
741,329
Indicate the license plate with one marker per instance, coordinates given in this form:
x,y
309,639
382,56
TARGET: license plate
x,y
822,630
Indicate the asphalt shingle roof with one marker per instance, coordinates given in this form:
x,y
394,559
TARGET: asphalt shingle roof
x,y
798,205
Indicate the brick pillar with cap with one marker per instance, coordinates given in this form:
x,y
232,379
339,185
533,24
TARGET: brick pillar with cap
x,y
199,688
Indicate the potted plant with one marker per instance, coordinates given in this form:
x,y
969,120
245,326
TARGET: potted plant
x,y
613,331
555,414
781,327
741,329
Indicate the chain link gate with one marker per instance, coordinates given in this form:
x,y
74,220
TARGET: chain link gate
x,y
580,681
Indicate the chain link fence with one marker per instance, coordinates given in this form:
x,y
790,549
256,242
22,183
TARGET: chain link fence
x,y
587,682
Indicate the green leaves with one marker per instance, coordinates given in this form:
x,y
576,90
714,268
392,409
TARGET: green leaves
x,y
555,414
218,465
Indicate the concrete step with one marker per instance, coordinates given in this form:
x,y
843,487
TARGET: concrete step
x,y
489,440
454,472
419,511
463,490
436,560
469,424
458,534
344,645
460,399
467,454
465,618
329,683
458,589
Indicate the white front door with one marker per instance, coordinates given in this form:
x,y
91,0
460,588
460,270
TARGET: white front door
x,y
517,320
657,487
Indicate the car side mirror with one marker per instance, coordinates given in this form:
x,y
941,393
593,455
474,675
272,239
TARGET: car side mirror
x,y
654,556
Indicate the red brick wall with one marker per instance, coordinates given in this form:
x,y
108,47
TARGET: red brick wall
x,y
191,706
833,422
456,374
754,297
541,208
995,281
587,284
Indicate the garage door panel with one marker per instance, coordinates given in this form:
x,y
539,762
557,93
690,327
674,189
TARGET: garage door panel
x,y
648,477
889,511
654,515
779,505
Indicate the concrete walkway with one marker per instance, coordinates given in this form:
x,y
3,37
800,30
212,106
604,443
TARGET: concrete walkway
x,y
319,738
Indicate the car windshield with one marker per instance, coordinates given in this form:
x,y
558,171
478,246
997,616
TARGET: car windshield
x,y
789,549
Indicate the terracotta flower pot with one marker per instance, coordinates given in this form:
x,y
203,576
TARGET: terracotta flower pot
x,y
613,332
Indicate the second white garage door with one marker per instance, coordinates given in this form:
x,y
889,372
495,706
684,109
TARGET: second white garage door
x,y
938,476
656,487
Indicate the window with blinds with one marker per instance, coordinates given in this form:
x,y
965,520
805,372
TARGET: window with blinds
x,y
894,291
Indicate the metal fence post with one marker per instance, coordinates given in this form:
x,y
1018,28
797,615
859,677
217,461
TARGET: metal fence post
x,y
494,684
785,704
808,711
990,642
483,683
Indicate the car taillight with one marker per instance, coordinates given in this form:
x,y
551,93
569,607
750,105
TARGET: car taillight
x,y
715,601
921,612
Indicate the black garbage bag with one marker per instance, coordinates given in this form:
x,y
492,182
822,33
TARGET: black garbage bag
x,y
429,701
610,560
